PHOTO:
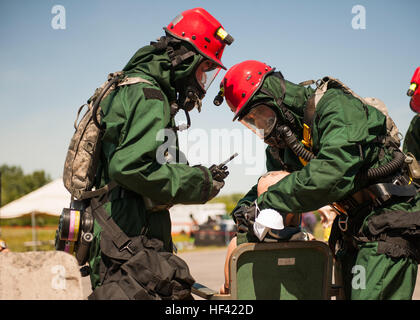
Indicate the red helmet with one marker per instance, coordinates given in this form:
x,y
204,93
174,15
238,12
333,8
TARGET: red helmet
x,y
241,82
415,102
203,31
414,91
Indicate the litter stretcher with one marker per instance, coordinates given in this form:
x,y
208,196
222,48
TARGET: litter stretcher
x,y
289,270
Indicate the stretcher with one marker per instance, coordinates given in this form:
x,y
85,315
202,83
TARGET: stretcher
x,y
288,270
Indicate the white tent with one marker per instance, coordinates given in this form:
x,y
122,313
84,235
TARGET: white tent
x,y
49,199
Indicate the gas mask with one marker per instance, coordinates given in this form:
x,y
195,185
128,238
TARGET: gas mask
x,y
192,90
263,121
190,97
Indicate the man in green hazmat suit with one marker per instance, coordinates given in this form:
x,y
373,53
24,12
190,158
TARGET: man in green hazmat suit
x,y
412,137
346,159
137,151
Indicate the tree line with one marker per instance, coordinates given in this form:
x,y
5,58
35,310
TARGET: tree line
x,y
15,183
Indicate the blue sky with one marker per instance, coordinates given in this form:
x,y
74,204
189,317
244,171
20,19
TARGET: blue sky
x,y
47,74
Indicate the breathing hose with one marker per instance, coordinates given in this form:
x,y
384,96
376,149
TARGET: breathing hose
x,y
291,141
99,98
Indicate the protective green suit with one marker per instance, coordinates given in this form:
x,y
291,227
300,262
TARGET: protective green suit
x,y
412,138
134,115
343,136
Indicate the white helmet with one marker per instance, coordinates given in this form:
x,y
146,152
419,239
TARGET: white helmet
x,y
266,220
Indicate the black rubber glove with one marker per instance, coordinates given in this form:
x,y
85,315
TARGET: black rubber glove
x,y
219,174
244,218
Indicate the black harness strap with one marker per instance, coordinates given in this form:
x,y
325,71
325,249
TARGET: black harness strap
x,y
384,191
119,238
394,246
309,113
177,56
180,58
99,192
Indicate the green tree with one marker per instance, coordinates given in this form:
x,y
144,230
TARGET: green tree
x,y
16,184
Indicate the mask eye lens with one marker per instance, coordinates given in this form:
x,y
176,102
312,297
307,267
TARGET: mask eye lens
x,y
261,120
206,72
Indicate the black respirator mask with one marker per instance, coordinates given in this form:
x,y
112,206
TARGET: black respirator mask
x,y
192,90
190,95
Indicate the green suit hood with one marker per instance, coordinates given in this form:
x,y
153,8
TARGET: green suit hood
x,y
156,63
294,100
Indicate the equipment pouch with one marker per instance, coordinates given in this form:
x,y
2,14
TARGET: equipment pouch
x,y
138,267
404,223
397,233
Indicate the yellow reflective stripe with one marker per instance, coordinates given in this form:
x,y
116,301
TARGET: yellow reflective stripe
x,y
306,143
76,225
222,33
71,247
327,233
307,140
303,161
413,86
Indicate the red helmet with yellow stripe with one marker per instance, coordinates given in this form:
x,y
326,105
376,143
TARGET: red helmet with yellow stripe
x,y
203,31
414,91
240,84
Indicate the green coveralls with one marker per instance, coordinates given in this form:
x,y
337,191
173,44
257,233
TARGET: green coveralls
x,y
341,124
134,115
412,138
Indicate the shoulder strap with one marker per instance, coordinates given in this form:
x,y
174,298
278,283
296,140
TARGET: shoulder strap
x,y
107,87
108,225
115,79
322,86
127,81
99,192
309,113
